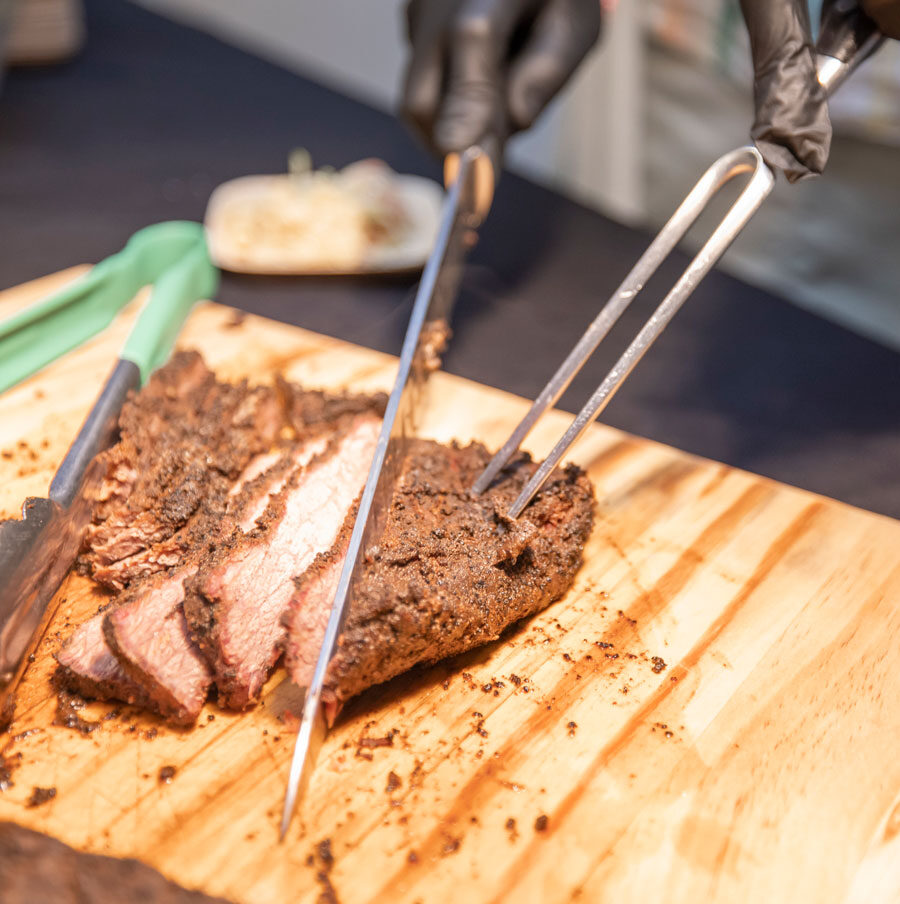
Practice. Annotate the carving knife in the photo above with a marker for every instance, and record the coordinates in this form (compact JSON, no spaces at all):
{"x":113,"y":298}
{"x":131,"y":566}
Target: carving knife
{"x":470,"y":177}
{"x":37,"y":550}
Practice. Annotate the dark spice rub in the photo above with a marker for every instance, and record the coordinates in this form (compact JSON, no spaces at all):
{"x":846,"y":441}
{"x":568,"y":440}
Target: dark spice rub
{"x":185,"y":437}
{"x":37,"y":868}
{"x":451,"y":571}
{"x":187,"y":440}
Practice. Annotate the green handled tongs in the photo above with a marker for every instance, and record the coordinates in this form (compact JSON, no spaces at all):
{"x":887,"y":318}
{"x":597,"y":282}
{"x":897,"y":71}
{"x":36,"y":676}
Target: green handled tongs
{"x":37,"y":550}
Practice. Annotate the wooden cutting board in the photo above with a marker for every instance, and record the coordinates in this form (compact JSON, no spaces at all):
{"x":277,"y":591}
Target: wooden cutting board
{"x":759,"y":764}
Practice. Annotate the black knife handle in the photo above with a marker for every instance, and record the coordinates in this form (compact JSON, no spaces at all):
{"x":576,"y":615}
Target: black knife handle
{"x":96,"y":434}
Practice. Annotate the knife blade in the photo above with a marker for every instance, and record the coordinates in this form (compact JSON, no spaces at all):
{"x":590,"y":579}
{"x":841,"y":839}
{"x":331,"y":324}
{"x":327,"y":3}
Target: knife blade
{"x":37,"y":550}
{"x":466,"y":203}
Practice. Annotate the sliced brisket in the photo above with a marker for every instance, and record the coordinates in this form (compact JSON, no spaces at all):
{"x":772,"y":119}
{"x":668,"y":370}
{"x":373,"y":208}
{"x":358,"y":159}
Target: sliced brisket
{"x":148,"y":633}
{"x":184,"y":440}
{"x":307,"y":616}
{"x":451,"y":572}
{"x":148,"y":636}
{"x":88,"y":666}
{"x":189,"y":441}
{"x":235,"y":604}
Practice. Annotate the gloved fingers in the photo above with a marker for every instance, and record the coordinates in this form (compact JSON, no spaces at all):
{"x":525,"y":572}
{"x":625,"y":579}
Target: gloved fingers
{"x":560,"y":37}
{"x":422,"y":88}
{"x":791,"y":127}
{"x":885,"y":14}
{"x":424,"y":79}
{"x":473,"y":101}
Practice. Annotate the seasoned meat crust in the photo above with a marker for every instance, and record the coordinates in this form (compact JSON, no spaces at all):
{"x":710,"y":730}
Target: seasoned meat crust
{"x":185,"y":437}
{"x":187,"y":440}
{"x":451,"y":571}
{"x":37,"y":869}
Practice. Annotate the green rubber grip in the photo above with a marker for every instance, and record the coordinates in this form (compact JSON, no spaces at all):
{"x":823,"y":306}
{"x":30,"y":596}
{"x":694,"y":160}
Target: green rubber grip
{"x":31,"y":339}
{"x":174,"y":293}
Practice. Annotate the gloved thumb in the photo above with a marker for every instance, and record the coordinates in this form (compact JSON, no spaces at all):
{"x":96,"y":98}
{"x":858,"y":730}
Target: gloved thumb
{"x":791,"y":128}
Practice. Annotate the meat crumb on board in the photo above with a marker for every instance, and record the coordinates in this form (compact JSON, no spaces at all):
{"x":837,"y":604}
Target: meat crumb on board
{"x":451,"y":846}
{"x":393,"y":782}
{"x":68,"y":706}
{"x":40,"y":796}
{"x":324,"y":859}
{"x":8,"y":764}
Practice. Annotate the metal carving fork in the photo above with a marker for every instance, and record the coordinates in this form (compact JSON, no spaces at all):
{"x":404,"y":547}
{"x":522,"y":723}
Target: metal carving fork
{"x":847,"y":38}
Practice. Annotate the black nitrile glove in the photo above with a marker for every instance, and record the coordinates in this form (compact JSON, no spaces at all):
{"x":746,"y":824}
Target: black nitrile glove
{"x":791,"y":128}
{"x":486,"y":68}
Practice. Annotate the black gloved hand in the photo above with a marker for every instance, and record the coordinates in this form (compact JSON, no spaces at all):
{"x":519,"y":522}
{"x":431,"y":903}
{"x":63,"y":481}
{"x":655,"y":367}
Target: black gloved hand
{"x":488,"y":67}
{"x":791,"y":128}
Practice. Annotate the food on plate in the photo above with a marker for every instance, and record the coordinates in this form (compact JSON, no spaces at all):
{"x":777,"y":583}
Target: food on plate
{"x":239,"y":502}
{"x":362,"y":217}
{"x":37,"y":868}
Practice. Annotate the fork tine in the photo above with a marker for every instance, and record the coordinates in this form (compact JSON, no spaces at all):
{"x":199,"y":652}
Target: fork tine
{"x":741,"y":160}
{"x":658,"y":250}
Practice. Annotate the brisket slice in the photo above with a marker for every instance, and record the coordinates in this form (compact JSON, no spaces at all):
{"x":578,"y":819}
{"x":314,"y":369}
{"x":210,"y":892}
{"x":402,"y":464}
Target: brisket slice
{"x":451,"y":571}
{"x":235,"y":604}
{"x":249,"y":504}
{"x":89,"y":667}
{"x":310,"y":606}
{"x":148,"y":636}
{"x":197,"y":459}
{"x":148,"y":633}
{"x":37,"y":869}
{"x":312,"y":411}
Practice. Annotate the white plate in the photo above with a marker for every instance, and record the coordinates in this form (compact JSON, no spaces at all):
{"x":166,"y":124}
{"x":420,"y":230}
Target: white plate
{"x":421,"y":197}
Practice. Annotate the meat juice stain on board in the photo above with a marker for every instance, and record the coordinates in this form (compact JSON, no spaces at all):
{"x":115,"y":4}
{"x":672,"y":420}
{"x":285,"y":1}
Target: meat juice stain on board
{"x":322,"y":859}
{"x":68,"y":713}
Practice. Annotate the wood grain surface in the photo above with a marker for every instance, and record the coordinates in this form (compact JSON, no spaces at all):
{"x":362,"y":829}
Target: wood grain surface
{"x":760,"y":764}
